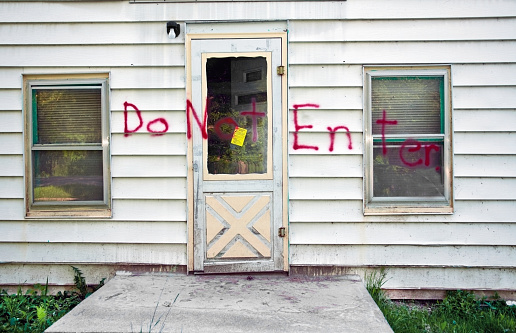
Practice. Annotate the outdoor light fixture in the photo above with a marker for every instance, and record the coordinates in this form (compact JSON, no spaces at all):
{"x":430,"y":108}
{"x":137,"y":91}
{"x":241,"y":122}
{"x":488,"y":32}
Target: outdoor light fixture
{"x":173,"y":29}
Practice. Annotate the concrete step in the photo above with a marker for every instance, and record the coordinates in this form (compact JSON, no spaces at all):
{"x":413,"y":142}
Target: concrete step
{"x":227,"y":303}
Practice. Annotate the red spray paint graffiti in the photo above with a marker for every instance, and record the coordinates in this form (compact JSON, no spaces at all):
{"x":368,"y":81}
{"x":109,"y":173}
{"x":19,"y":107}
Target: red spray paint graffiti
{"x":331,"y":130}
{"x":159,"y":126}
{"x":411,"y":145}
{"x":254,"y":115}
{"x":202,"y":127}
{"x":298,"y":127}
{"x":384,"y":122}
{"x":128,"y":131}
{"x":407,"y":147}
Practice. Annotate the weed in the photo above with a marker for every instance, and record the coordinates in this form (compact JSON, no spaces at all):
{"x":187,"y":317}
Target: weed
{"x":155,"y":321}
{"x":374,"y":283}
{"x":35,"y":310}
{"x":30,"y":312}
{"x":80,"y":284}
{"x":459,"y":312}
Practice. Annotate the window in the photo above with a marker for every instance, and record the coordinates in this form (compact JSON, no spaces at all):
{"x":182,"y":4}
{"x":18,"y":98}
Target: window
{"x":67,"y":140}
{"x":407,"y":141}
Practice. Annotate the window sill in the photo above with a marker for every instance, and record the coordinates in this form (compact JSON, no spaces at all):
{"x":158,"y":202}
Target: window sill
{"x":407,"y":210}
{"x":69,"y":214}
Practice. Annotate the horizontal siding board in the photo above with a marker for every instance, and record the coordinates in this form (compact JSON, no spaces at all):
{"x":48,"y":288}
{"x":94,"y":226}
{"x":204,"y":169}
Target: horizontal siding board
{"x":427,"y":9}
{"x":11,"y":99}
{"x":469,"y":211}
{"x":325,"y":188}
{"x":402,"y":30}
{"x":485,"y":189}
{"x":327,"y":98}
{"x":484,"y":97}
{"x":98,"y":33}
{"x":149,"y":210}
{"x":148,"y":100}
{"x":12,"y":187}
{"x":10,"y":78}
{"x":11,"y":209}
{"x":11,"y":122}
{"x":168,"y":254}
{"x":321,"y":119}
{"x":405,"y":255}
{"x":485,"y":143}
{"x":115,"y":11}
{"x":128,"y":77}
{"x":12,"y":143}
{"x":149,"y":188}
{"x":323,"y":166}
{"x":93,"y":55}
{"x":55,"y":274}
{"x":484,"y":74}
{"x":450,"y":278}
{"x":11,"y":165}
{"x":231,"y":26}
{"x":484,"y":166}
{"x":403,"y":234}
{"x":176,"y":120}
{"x":484,"y":120}
{"x":126,"y":232}
{"x":401,"y":52}
{"x":322,"y":141}
{"x":147,"y":144}
{"x":314,"y":75}
{"x":148,"y":78}
{"x":148,"y":166}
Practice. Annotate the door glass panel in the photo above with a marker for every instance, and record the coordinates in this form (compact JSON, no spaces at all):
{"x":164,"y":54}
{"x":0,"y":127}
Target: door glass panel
{"x":237,"y":100}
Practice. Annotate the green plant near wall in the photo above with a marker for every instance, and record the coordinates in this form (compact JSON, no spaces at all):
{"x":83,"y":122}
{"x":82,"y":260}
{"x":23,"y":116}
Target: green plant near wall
{"x":84,"y":290}
{"x":36,"y":310}
{"x":459,"y":312}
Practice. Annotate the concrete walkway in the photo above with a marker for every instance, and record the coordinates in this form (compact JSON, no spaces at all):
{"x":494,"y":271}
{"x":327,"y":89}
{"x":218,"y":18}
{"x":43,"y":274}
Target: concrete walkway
{"x":227,"y":303}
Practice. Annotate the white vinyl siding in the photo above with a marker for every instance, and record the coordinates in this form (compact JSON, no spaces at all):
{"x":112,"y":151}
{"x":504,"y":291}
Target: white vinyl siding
{"x":430,"y":251}
{"x":329,"y":43}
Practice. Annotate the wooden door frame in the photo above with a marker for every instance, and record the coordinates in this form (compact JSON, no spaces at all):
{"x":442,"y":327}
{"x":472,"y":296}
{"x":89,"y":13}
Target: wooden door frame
{"x":284,"y":110}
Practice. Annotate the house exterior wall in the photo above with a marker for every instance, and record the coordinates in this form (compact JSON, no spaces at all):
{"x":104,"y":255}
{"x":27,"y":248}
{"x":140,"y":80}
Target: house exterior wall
{"x":329,"y":44}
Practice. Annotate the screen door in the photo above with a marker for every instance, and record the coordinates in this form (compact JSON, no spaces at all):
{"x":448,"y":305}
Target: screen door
{"x":237,"y":157}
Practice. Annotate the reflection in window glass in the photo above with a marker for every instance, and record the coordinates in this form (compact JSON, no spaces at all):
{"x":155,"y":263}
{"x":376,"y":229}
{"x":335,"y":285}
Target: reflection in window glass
{"x":235,"y":101}
{"x":408,"y":133}
{"x":68,"y":159}
{"x":408,"y":169}
{"x":68,"y":175}
{"x":67,"y":116}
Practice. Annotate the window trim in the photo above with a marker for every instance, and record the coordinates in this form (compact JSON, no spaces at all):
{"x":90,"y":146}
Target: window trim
{"x":408,"y":205}
{"x":66,"y":209}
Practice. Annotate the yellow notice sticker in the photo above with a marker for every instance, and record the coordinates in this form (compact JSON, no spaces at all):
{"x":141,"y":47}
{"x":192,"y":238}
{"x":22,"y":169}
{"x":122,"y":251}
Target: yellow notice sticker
{"x":239,"y":136}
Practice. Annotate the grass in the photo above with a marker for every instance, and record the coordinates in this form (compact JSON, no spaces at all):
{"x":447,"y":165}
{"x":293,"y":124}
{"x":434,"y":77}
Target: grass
{"x":459,"y":312}
{"x":69,"y":192}
{"x":36,"y":310}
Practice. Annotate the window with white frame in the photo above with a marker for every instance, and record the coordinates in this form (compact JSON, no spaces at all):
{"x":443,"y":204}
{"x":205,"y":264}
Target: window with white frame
{"x":67,"y":140}
{"x":407,"y":141}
